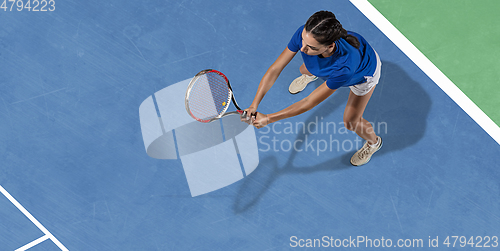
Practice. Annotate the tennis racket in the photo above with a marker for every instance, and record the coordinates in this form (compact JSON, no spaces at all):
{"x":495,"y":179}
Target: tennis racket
{"x":208,"y":97}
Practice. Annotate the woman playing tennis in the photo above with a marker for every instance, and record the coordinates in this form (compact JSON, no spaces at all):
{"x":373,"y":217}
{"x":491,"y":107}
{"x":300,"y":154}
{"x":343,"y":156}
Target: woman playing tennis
{"x":341,"y":57}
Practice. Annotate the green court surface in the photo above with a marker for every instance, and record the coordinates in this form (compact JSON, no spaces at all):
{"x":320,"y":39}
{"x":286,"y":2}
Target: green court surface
{"x":460,"y":37}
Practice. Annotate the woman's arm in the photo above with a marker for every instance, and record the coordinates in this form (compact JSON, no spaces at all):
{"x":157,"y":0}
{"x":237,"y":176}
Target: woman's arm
{"x":271,"y":75}
{"x":304,"y":105}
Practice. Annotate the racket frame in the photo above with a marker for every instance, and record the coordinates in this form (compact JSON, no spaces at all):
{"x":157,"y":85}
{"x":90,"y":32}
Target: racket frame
{"x":228,"y":102}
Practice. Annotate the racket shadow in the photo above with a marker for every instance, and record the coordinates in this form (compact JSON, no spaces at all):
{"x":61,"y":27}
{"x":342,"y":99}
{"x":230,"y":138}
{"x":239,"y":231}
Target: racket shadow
{"x":259,"y":181}
{"x":398,"y":101}
{"x":268,"y":171}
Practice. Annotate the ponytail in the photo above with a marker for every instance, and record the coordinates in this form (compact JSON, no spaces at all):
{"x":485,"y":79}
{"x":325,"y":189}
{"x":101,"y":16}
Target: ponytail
{"x":326,"y":29}
{"x":352,"y":40}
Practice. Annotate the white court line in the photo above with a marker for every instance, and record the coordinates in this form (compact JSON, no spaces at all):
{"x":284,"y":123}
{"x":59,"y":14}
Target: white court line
{"x":33,"y":243}
{"x":33,"y":220}
{"x":428,"y":68}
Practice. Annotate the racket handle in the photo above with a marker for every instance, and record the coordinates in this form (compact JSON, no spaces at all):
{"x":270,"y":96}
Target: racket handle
{"x":243,"y":114}
{"x":243,"y":117}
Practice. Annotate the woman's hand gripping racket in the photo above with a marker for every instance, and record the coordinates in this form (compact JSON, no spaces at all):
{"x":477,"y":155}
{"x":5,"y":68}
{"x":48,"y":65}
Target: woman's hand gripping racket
{"x":208,"y":97}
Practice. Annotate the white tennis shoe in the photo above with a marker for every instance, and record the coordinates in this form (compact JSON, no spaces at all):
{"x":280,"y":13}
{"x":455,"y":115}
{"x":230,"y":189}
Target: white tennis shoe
{"x":300,"y":83}
{"x":363,"y":155}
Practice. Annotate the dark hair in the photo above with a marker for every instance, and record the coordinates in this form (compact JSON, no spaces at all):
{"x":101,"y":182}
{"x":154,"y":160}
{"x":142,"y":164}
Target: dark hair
{"x":326,"y":29}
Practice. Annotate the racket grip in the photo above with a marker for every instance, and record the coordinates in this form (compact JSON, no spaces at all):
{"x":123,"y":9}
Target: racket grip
{"x":243,"y":117}
{"x":243,"y":114}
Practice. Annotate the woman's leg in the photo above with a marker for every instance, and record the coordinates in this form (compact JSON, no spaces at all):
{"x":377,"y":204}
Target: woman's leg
{"x":304,"y":70}
{"x":353,"y":116}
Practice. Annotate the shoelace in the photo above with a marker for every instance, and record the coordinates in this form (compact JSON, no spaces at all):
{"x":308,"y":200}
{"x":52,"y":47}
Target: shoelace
{"x":364,"y":151}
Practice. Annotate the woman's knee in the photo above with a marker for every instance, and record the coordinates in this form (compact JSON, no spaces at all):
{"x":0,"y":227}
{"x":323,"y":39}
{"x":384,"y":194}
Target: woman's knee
{"x":350,"y":123}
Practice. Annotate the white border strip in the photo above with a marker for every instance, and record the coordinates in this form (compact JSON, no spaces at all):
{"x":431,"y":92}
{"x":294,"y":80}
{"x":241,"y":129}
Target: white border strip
{"x":428,"y":68}
{"x":33,"y":220}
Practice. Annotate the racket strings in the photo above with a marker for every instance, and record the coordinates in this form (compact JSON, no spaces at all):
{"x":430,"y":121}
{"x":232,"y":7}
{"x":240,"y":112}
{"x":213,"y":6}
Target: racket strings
{"x":209,"y":96}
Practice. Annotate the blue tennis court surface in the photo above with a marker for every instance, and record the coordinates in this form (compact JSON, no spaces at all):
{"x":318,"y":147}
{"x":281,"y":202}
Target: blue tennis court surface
{"x":72,"y":150}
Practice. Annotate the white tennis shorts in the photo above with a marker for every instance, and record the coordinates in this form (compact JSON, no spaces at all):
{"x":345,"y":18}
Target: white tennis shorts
{"x":371,"y":81}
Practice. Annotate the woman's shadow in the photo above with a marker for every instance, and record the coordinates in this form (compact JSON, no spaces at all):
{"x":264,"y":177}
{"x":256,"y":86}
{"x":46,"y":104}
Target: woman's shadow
{"x":398,"y":101}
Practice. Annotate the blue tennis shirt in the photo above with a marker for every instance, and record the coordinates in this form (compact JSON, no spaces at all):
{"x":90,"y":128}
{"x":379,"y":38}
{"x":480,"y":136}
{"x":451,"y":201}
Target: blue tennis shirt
{"x":347,"y":66}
